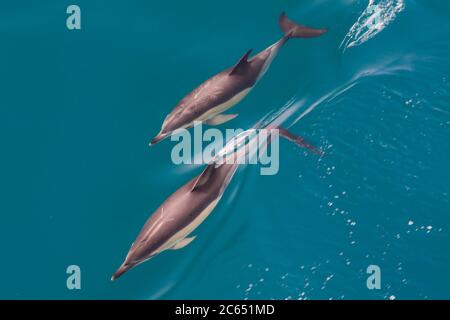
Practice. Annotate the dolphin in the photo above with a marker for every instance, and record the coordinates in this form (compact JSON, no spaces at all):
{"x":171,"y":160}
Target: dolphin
{"x":171,"y":225}
{"x":214,"y":96}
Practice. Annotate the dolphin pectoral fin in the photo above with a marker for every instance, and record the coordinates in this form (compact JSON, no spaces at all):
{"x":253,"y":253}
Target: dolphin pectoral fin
{"x":220,"y":118}
{"x":242,"y":63}
{"x":183,"y":243}
{"x":300,"y":141}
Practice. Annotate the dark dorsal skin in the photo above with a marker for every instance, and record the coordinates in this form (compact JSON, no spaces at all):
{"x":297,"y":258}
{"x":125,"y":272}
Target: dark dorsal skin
{"x":215,"y":91}
{"x":177,"y":212}
{"x":187,"y":204}
{"x":180,"y":209}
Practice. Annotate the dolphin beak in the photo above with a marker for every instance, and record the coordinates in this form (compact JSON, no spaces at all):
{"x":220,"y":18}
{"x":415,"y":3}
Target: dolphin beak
{"x":158,"y":138}
{"x":123,"y":268}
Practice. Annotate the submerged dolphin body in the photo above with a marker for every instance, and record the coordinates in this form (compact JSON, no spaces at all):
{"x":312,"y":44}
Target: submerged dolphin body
{"x":170,"y":227}
{"x":209,"y":100}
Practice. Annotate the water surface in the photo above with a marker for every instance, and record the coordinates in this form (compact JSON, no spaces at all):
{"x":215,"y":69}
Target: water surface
{"x":78,"y":108}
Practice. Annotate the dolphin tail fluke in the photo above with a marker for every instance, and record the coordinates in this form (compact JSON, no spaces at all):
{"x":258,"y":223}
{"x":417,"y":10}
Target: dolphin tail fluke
{"x":294,"y":30}
{"x":123,"y":268}
{"x":299,"y":141}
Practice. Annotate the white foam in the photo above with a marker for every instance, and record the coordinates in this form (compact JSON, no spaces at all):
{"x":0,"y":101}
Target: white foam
{"x":374,"y":19}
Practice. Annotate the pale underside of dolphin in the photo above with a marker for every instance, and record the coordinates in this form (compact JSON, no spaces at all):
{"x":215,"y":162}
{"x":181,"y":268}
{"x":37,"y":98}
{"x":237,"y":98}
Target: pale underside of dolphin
{"x":170,"y":227}
{"x":221,"y":92}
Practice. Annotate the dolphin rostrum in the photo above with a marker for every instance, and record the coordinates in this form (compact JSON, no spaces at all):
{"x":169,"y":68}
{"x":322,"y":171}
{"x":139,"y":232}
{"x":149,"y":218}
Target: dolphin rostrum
{"x":214,"y":96}
{"x":170,"y":227}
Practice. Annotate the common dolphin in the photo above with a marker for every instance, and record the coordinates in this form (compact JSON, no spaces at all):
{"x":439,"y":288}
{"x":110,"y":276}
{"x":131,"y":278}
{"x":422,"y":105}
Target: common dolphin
{"x":170,"y":227}
{"x":214,"y":96}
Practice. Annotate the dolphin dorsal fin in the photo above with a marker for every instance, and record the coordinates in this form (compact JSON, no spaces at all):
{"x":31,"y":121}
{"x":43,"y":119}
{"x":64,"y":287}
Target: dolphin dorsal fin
{"x":241,"y":63}
{"x":203,"y":178}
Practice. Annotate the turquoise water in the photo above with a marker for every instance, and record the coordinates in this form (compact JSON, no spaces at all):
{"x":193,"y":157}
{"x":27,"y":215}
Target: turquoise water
{"x":78,"y":108}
